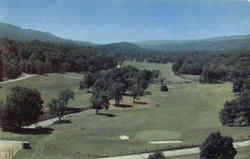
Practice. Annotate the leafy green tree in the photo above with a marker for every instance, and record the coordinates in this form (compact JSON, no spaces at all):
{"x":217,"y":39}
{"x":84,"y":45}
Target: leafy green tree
{"x":117,"y":91}
{"x":23,"y":106}
{"x":88,"y":81}
{"x":59,"y":106}
{"x":99,"y":100}
{"x":217,"y":147}
{"x":136,"y":91}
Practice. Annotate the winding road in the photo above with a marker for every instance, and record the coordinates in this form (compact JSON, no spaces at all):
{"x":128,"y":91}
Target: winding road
{"x":25,"y":76}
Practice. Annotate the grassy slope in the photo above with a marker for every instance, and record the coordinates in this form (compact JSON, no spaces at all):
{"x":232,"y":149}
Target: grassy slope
{"x":49,"y":86}
{"x":187,"y":111}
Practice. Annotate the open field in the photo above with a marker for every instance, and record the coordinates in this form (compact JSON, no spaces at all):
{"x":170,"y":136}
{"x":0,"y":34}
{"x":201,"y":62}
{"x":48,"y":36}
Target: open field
{"x":188,"y":112}
{"x":49,"y":86}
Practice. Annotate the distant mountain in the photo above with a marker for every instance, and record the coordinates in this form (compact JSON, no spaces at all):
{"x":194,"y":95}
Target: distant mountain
{"x":124,"y":48}
{"x":17,"y":33}
{"x":213,"y":44}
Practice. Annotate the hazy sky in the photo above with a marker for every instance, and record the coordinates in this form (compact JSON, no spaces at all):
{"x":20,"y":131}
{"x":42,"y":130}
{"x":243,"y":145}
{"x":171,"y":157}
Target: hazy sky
{"x":105,"y":21}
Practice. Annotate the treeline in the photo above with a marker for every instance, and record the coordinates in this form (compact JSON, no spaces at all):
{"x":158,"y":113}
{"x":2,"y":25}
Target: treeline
{"x":24,"y":106}
{"x":214,"y":68}
{"x":41,"y":57}
{"x":115,"y":83}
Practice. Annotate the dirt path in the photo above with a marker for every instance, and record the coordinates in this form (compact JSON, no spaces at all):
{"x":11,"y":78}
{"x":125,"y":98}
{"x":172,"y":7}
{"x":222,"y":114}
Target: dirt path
{"x":49,"y":121}
{"x":25,"y":76}
{"x":174,"y":153}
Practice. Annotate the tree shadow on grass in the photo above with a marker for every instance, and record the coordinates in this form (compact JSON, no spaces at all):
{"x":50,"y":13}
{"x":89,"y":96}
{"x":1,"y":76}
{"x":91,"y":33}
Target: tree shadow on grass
{"x":107,"y":115}
{"x":142,"y":103}
{"x":63,"y":121}
{"x":123,"y":105}
{"x":147,"y":93}
{"x":34,"y":131}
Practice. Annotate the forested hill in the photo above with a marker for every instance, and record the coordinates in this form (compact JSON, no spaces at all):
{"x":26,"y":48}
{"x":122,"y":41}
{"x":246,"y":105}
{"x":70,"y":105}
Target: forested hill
{"x":124,"y":48}
{"x":13,"y":32}
{"x":218,"y":44}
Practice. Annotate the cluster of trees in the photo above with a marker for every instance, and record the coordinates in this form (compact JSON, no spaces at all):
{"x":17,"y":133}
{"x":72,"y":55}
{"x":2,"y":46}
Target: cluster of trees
{"x":237,"y":111}
{"x":24,"y":106}
{"x":59,"y":105}
{"x":214,"y":68}
{"x":42,"y":57}
{"x":113,"y":84}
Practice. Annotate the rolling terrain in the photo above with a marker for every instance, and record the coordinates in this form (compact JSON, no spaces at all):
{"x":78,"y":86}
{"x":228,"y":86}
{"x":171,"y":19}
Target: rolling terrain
{"x":17,"y":33}
{"x":218,"y":44}
{"x":188,"y":112}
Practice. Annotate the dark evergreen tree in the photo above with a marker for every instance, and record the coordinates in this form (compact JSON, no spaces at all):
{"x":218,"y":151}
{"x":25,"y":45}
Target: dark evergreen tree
{"x":217,"y":147}
{"x":23,"y":106}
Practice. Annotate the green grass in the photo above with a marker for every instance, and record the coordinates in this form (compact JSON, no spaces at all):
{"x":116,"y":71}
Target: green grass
{"x":189,"y":111}
{"x":50,"y":85}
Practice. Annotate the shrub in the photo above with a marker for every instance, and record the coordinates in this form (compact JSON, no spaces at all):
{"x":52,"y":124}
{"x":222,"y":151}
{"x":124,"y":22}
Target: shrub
{"x":157,"y":155}
{"x":217,"y":147}
{"x":164,"y":88}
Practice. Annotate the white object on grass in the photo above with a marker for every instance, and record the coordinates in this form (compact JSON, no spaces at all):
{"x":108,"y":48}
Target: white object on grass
{"x":124,"y":137}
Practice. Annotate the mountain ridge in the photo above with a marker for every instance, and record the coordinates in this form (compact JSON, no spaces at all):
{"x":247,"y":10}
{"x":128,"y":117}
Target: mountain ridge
{"x":14,"y":32}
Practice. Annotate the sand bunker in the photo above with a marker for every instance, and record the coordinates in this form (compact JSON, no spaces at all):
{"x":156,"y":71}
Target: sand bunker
{"x":124,"y":137}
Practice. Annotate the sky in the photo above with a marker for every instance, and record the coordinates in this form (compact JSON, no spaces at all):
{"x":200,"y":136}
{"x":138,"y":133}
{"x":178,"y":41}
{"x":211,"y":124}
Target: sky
{"x":105,"y":21}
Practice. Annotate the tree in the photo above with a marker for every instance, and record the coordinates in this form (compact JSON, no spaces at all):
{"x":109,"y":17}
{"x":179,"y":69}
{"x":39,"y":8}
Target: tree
{"x":157,"y":155}
{"x":88,"y":81}
{"x":117,"y":91}
{"x":164,"y":88}
{"x":23,"y":106}
{"x":217,"y":147}
{"x":59,"y":105}
{"x":139,"y":85}
{"x":99,"y":100}
{"x":136,"y":91}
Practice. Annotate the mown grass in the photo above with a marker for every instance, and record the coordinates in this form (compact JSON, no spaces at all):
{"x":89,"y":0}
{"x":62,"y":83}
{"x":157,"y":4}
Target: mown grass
{"x":189,"y":111}
{"x":49,"y":85}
